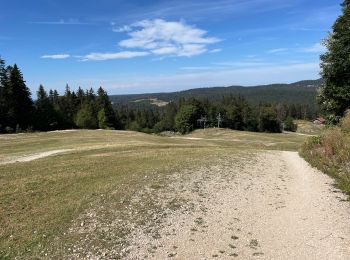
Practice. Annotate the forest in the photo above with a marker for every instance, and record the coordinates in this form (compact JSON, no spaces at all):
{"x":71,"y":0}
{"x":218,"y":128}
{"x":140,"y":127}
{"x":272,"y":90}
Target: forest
{"x":87,"y":109}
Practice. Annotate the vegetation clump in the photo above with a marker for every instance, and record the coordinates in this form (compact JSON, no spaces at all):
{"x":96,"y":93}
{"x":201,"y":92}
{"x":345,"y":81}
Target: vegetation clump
{"x":330,"y":152}
{"x":289,"y":125}
{"x":334,"y":96}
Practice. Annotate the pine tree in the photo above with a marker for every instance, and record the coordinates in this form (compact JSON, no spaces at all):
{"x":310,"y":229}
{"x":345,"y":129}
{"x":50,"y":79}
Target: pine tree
{"x":103,"y":103}
{"x":86,"y":117}
{"x":3,"y":82}
{"x":18,"y":98}
{"x":334,"y":96}
{"x":67,"y":108}
{"x":45,"y":114}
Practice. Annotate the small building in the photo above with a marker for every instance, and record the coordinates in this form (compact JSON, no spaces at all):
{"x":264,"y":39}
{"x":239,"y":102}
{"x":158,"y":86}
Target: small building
{"x":320,"y":121}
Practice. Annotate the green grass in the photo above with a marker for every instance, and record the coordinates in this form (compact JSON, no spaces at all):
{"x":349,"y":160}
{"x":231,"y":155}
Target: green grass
{"x":41,"y":200}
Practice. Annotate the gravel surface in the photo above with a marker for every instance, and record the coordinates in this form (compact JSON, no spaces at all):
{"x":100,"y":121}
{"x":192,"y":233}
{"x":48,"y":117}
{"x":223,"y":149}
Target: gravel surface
{"x":270,"y":205}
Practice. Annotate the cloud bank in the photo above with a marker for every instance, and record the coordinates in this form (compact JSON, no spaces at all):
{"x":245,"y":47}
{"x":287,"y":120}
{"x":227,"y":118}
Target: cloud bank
{"x":165,"y":38}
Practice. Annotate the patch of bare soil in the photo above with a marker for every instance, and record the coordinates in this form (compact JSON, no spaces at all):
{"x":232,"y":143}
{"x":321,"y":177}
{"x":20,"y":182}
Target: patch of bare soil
{"x":32,"y":157}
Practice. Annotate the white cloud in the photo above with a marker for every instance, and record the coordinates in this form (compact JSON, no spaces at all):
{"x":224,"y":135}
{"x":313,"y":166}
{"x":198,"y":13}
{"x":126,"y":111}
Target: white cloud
{"x":95,"y":56}
{"x":215,"y":50}
{"x":124,"y":28}
{"x":56,"y":56}
{"x":316,"y":48}
{"x":71,"y":21}
{"x":200,"y":68}
{"x":167,"y":38}
{"x":244,"y":63}
{"x":279,"y":50}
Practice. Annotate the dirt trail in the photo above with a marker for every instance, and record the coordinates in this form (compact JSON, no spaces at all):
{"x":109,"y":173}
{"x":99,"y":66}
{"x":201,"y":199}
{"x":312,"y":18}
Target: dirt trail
{"x":32,"y":157}
{"x":273,"y":206}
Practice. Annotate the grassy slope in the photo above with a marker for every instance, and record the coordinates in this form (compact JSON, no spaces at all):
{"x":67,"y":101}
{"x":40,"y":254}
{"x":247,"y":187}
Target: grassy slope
{"x":39,"y":200}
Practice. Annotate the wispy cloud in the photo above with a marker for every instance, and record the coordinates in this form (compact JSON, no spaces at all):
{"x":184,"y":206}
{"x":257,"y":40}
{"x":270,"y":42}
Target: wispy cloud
{"x":215,"y":50}
{"x":124,"y":28}
{"x":279,"y":50}
{"x":195,"y":10}
{"x":200,"y":68}
{"x":167,"y":38}
{"x":243,"y":63}
{"x":95,"y":56}
{"x":316,"y":48}
{"x":56,"y":56}
{"x":71,"y":21}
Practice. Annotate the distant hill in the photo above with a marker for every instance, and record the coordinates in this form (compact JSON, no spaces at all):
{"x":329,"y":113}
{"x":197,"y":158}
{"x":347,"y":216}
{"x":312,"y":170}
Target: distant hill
{"x":302,"y":92}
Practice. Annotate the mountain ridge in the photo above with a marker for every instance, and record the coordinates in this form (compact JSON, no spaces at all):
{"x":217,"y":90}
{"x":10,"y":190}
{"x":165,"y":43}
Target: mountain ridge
{"x":301,"y":92}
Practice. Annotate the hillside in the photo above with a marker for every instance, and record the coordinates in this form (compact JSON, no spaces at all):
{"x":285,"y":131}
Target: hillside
{"x":213,"y":194}
{"x":302,"y":92}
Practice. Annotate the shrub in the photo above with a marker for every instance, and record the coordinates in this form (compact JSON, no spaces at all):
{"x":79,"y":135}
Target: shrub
{"x":331,"y":153}
{"x":289,"y":125}
{"x":345,"y":123}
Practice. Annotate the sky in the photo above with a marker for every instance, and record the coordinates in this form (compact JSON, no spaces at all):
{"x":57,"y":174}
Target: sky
{"x":143,"y":46}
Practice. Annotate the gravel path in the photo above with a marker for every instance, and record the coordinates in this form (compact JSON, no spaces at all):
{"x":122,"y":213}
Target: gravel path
{"x":272,"y":205}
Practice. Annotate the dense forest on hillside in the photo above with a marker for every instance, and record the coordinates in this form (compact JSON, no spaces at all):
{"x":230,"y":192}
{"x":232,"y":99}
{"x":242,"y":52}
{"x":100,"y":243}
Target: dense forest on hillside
{"x":302,"y":92}
{"x":90,"y":110}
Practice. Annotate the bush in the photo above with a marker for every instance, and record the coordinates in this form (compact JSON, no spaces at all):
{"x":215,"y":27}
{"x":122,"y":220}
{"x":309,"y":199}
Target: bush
{"x":289,"y":125}
{"x":345,"y":123}
{"x":331,"y":153}
{"x":134,"y":126}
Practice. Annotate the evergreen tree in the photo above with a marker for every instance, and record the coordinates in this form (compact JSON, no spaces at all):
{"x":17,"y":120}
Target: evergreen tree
{"x":67,"y":108}
{"x":80,"y":96}
{"x":267,"y":119}
{"x":167,"y":123}
{"x":102,"y":119}
{"x":3,"y":82}
{"x":186,"y":118}
{"x":46,"y":117}
{"x":334,"y":96}
{"x":86,"y":117}
{"x":103,"y":103}
{"x":19,"y":104}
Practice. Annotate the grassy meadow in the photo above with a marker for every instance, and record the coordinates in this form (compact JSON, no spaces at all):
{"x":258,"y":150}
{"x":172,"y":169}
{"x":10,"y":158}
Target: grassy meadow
{"x":46,"y":203}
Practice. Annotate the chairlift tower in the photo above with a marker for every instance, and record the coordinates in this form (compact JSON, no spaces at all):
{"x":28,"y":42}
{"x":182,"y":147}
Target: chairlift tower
{"x":219,"y":118}
{"x":202,"y":121}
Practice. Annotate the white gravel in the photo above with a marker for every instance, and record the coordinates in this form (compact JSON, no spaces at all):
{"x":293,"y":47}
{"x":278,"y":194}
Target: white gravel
{"x":270,"y":206}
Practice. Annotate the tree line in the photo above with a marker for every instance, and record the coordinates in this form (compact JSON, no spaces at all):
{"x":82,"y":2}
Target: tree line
{"x":89,"y":110}
{"x":80,"y":109}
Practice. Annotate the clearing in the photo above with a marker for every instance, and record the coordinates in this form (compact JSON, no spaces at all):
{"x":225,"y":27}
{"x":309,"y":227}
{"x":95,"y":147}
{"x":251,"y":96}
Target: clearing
{"x":214,"y":194}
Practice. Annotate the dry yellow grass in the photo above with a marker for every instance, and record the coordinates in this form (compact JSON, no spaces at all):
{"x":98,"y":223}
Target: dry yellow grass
{"x":307,"y":127}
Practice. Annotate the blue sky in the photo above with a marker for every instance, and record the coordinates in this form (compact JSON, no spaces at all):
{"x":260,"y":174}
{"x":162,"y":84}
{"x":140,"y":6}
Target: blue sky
{"x":151,"y":46}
